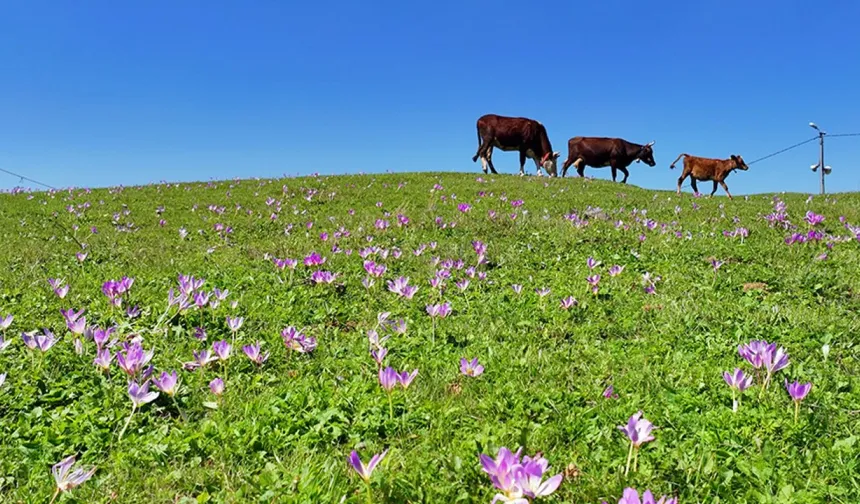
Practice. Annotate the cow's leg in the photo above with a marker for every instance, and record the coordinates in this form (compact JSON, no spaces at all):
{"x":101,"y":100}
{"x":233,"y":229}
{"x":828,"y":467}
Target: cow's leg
{"x":565,"y":166}
{"x":538,"y":166}
{"x":489,"y":157}
{"x":693,"y":183}
{"x":522,"y":163}
{"x":580,"y":167}
{"x":614,"y":173}
{"x":626,"y":174}
{"x":715,"y":189}
{"x":684,"y":175}
{"x":722,"y":183}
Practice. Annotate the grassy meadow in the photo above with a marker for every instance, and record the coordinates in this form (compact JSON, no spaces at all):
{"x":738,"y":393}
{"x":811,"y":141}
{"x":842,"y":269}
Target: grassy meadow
{"x":700,"y":277}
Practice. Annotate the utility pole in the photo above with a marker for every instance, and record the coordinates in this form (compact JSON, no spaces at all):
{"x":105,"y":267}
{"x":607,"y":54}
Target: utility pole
{"x":825,"y":170}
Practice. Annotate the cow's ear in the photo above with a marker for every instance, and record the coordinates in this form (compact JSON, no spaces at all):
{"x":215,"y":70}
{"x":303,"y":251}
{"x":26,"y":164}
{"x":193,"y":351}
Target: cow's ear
{"x":556,"y":154}
{"x":734,"y":157}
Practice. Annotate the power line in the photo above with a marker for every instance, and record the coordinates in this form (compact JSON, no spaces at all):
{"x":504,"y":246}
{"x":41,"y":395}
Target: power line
{"x":844,"y":135}
{"x":22,"y":177}
{"x":784,"y":150}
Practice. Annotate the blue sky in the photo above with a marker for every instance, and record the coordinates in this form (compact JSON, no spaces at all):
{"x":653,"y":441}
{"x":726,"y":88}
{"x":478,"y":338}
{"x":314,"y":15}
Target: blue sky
{"x":100,"y":93}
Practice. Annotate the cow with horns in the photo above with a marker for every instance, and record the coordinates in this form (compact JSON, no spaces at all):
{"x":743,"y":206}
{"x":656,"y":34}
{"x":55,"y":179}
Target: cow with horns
{"x":699,"y":168}
{"x":600,"y":152}
{"x":521,"y":134}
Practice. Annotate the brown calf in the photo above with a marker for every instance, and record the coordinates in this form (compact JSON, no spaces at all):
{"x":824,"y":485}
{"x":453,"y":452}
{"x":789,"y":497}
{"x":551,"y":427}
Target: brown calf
{"x":699,"y":168}
{"x":521,"y":134}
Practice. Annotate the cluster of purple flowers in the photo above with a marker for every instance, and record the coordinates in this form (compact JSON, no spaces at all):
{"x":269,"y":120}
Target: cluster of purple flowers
{"x":114,"y":289}
{"x":518,"y":478}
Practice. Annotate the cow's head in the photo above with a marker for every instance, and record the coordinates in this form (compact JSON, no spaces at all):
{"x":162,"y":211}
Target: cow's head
{"x":549,"y":162}
{"x":739,"y":163}
{"x":646,"y":155}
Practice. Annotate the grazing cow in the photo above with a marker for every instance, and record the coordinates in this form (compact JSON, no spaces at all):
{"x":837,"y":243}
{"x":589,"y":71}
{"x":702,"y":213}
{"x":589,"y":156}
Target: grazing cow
{"x":527,"y":136}
{"x":699,"y":168}
{"x":599,"y":152}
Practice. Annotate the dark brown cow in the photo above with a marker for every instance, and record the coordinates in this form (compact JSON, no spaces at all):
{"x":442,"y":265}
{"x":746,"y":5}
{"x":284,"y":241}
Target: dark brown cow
{"x":599,"y":152}
{"x":521,"y":134}
{"x":699,"y":168}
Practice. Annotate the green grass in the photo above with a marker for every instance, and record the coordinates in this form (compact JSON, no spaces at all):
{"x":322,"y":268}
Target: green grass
{"x":282,"y":433}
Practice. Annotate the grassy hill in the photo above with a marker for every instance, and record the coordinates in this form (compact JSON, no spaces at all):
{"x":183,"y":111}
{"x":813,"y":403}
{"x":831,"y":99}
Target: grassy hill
{"x":282,"y":431}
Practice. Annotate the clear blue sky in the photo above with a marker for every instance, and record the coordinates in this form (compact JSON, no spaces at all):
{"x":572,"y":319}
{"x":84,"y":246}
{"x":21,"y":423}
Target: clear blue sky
{"x":98,"y":93}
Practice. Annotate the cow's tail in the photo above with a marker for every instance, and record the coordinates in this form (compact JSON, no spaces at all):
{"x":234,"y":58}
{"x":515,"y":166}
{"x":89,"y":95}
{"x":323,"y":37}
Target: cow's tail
{"x":475,"y":157}
{"x":672,"y":166}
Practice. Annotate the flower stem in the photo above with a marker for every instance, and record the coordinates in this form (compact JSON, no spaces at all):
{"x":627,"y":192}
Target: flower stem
{"x":629,"y":459}
{"x":390,"y":407}
{"x":54,"y":497}
{"x":369,"y":494}
{"x":636,"y":460}
{"x":734,"y":402}
{"x":796,"y":410}
{"x":128,"y":421}
{"x":181,"y":413}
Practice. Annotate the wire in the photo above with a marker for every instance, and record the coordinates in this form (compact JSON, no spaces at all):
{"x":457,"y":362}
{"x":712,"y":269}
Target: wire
{"x":784,"y":150}
{"x":844,"y":135}
{"x":27,"y":179}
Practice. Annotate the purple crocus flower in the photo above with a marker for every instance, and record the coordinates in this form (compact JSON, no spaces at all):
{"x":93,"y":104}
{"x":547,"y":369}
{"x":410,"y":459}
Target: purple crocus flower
{"x":78,"y":326}
{"x":296,"y":341}
{"x":401,"y":286}
{"x":43,"y":341}
{"x":439,"y":310}
{"x":609,"y":393}
{"x":140,"y":394}
{"x":2,"y":379}
{"x":67,"y":480}
{"x":797,"y":391}
{"x":631,"y":496}
{"x":542,"y":292}
{"x":71,"y":316}
{"x":813,"y":218}
{"x":4,"y":343}
{"x":222,"y":349}
{"x":471,"y":367}
{"x":378,"y":354}
{"x":234,"y":323}
{"x":323,"y":277}
{"x":314,"y":259}
{"x":594,"y":281}
{"x":568,"y":302}
{"x":638,"y":430}
{"x":519,"y":480}
{"x":517,"y":288}
{"x":615,"y":270}
{"x":132,"y":311}
{"x":738,"y":382}
{"x":133,"y":359}
{"x":592,"y":263}
{"x":217,"y":386}
{"x":103,"y":359}
{"x":167,"y":382}
{"x":255,"y":354}
{"x":201,"y":359}
{"x":388,"y":378}
{"x":365,"y":471}
{"x":405,"y":378}
{"x":529,"y":476}
{"x":6,"y":322}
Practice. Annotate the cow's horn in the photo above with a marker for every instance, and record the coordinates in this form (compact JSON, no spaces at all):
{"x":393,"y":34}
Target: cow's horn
{"x":650,"y":143}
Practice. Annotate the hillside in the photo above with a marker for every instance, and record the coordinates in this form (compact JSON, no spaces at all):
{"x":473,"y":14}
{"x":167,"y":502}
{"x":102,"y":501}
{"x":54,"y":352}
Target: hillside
{"x":660,"y":333}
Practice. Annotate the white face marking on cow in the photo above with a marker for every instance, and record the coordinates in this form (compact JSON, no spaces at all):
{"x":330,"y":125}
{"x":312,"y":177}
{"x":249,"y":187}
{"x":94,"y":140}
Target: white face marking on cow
{"x":551,"y":164}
